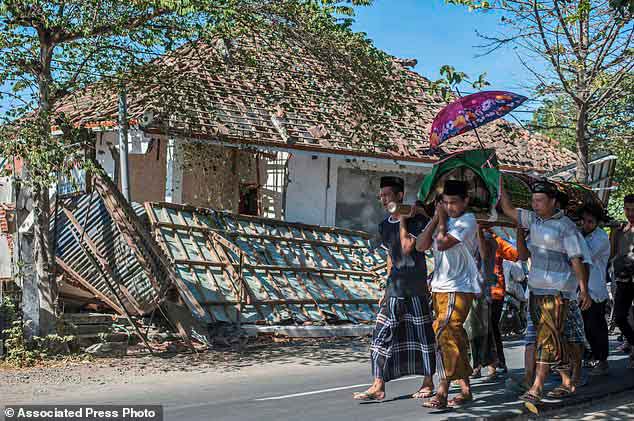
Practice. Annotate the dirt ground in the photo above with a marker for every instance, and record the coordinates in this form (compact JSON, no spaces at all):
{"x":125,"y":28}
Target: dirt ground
{"x":139,"y":365}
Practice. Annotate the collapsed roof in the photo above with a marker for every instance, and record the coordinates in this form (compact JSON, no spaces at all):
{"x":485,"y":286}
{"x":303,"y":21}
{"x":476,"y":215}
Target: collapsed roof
{"x":225,"y":267}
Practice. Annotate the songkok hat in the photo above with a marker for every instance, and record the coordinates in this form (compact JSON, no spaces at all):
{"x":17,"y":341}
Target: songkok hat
{"x":395,"y":182}
{"x":547,"y":188}
{"x":455,"y":188}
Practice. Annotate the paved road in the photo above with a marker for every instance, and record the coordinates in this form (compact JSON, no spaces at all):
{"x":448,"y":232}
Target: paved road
{"x":297,"y":390}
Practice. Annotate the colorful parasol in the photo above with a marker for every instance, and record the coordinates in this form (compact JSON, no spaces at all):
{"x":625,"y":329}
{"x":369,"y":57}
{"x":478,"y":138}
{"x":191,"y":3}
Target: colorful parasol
{"x":472,"y":111}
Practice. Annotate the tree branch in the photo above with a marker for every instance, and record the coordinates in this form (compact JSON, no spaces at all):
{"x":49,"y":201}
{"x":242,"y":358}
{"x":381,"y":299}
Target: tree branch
{"x":107,"y":29}
{"x":554,"y":62}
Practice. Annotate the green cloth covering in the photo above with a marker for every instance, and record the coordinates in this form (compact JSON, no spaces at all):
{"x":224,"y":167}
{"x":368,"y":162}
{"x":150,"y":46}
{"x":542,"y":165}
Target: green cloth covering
{"x":476,"y":160}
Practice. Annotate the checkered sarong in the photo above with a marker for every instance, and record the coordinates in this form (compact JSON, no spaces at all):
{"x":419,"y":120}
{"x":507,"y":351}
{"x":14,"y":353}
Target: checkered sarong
{"x":574,"y":331}
{"x":403,"y":339}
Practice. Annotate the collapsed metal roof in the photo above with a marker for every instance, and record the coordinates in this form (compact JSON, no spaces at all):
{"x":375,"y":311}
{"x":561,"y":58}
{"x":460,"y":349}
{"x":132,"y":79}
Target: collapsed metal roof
{"x":101,"y":228}
{"x":255,"y":270}
{"x":225,"y":267}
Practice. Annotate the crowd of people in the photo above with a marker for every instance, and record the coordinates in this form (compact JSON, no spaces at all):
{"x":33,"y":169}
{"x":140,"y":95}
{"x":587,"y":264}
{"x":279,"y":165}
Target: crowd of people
{"x":449,"y":324}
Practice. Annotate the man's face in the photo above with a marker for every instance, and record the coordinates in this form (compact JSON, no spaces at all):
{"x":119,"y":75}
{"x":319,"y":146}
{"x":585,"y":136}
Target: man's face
{"x":629,"y":212}
{"x":588,"y":223}
{"x":387,"y":195}
{"x":543,"y":205}
{"x":454,"y":205}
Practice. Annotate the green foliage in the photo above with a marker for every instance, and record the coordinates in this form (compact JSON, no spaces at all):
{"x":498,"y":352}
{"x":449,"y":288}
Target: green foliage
{"x":612,"y":131}
{"x":50,"y":48}
{"x":450,"y":81}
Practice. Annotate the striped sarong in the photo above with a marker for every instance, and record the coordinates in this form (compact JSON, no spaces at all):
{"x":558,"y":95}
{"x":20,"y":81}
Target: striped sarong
{"x":452,"y":353}
{"x":403,"y":339}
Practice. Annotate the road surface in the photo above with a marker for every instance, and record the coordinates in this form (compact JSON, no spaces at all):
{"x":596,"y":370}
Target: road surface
{"x":294,"y":388}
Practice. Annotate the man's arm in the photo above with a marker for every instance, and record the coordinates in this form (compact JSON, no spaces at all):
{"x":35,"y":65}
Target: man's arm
{"x":523,"y":253}
{"x":389,"y":272}
{"x":408,"y":240}
{"x":425,"y":239}
{"x":581,"y":273}
{"x":505,"y":249}
{"x":506,"y":205}
{"x":613,"y":243}
{"x":444,"y":241}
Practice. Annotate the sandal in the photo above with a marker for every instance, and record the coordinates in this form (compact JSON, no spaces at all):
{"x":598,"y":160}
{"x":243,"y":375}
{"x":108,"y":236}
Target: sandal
{"x":436,"y":403}
{"x":424,"y":393}
{"x":531,"y":401}
{"x":560,"y":392}
{"x":368,"y":396}
{"x":461,"y":400}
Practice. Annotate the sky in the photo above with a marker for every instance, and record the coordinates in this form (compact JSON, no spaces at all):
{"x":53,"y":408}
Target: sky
{"x":436,"y":33}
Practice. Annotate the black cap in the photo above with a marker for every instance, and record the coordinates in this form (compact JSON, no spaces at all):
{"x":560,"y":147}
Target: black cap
{"x":547,"y":188}
{"x":396,"y":183}
{"x":595,"y":210}
{"x":455,"y":188}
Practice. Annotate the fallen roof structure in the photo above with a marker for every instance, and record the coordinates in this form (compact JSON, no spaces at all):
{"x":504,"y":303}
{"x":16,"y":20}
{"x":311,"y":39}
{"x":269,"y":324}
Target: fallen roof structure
{"x":252,"y":270}
{"x":226,"y":268}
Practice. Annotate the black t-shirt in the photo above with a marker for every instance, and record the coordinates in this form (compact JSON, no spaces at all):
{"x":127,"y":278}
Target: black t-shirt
{"x":409,"y":273}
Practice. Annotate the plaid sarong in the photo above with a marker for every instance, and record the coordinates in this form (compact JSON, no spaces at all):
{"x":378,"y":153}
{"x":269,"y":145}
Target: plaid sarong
{"x":403,"y":340}
{"x":574,"y":330}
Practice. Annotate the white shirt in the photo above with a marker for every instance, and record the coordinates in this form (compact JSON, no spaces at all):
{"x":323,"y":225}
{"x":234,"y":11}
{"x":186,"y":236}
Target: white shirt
{"x":455,"y":269}
{"x":513,"y":275}
{"x":599,"y":245}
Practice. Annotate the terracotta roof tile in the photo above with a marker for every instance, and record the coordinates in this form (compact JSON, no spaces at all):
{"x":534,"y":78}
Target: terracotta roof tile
{"x":290,"y":100}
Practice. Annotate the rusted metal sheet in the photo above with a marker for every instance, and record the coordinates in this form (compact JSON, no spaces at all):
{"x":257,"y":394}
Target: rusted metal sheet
{"x":86,"y":218}
{"x":255,"y":270}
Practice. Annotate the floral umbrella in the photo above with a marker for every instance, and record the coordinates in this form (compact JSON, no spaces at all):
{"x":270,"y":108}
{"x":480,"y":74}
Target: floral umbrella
{"x":472,"y":111}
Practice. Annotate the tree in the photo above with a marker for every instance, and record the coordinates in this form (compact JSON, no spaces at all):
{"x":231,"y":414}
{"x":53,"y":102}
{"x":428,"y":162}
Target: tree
{"x":587,"y":46}
{"x":613,"y":133}
{"x":50,"y":48}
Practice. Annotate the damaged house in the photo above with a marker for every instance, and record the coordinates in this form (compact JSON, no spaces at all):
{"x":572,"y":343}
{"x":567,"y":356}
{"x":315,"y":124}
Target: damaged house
{"x":237,"y":172}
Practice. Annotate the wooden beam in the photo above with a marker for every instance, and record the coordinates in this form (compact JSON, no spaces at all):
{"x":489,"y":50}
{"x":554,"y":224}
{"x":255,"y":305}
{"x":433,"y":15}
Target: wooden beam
{"x":276,"y":268}
{"x":299,"y":302}
{"x":163,"y":224}
{"x":76,"y":277}
{"x":83,"y":236}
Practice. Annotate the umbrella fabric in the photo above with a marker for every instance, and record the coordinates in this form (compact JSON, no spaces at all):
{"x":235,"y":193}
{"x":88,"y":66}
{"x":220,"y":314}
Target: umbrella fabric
{"x":477,"y":160}
{"x":470,"y":112}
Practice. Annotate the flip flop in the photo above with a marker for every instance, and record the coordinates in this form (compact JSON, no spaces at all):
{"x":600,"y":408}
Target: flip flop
{"x":531,"y":402}
{"x":435,"y":403}
{"x":460,"y":400}
{"x":368,"y":396}
{"x":560,"y":392}
{"x":424,"y":393}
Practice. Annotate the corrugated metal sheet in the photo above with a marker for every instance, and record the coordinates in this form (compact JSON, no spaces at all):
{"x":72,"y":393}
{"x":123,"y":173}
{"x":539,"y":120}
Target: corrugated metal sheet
{"x":131,"y":279}
{"x":267,"y":271}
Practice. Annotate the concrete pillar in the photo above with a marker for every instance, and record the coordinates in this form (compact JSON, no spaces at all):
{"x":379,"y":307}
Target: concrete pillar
{"x":174,"y":177}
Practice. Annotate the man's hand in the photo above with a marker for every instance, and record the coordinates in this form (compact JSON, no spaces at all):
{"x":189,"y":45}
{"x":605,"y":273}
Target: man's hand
{"x":382,"y":300}
{"x":584,"y":300}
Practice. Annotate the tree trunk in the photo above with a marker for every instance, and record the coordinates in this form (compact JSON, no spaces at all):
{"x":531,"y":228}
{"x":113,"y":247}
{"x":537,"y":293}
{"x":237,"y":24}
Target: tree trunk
{"x":582,"y":144}
{"x":40,"y":290}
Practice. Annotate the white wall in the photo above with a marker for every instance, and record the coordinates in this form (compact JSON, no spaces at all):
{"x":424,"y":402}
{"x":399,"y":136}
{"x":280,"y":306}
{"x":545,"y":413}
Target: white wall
{"x":308,"y":200}
{"x":306,"y":197}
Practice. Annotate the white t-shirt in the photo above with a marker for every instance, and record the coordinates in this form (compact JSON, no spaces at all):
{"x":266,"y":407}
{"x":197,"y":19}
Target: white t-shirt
{"x":455,"y":269}
{"x":599,"y":245}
